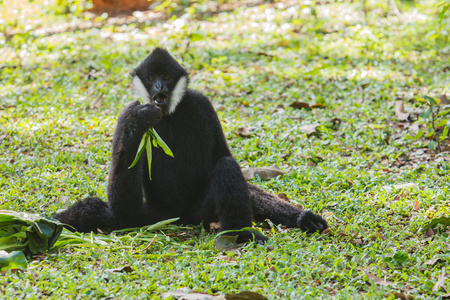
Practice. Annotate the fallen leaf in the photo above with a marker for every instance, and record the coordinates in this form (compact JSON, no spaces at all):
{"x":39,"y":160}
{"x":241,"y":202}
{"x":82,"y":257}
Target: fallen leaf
{"x":433,"y":261}
{"x":245,"y":295}
{"x":401,"y":296}
{"x":300,"y":105}
{"x":389,"y":188}
{"x":440,"y":282}
{"x":443,"y":99}
{"x":11,"y":271}
{"x":151,"y":242}
{"x":245,"y":132}
{"x":430,"y":232}
{"x":263,"y":172}
{"x":416,"y":206}
{"x":357,"y":242}
{"x":215,"y":225}
{"x":191,"y":296}
{"x":377,"y":236}
{"x":400,"y":111}
{"x":283,"y":196}
{"x":379,"y":280}
{"x":326,"y":231}
{"x":226,"y":242}
{"x":226,"y":257}
{"x":309,"y":129}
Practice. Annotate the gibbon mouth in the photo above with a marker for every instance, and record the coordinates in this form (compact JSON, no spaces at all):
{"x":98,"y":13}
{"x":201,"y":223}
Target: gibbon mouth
{"x":159,"y":98}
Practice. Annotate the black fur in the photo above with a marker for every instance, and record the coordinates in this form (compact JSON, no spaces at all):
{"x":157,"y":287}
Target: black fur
{"x":202,"y":183}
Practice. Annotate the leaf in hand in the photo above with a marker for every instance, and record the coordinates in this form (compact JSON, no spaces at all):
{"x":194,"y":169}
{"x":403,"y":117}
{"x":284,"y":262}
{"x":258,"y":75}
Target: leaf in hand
{"x":140,"y":150}
{"x":160,"y":141}
{"x":149,"y":139}
{"x":148,"y":148}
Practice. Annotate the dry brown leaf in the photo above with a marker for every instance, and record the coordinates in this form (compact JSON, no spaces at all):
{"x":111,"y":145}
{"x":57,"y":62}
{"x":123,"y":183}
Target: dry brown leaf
{"x":441,"y":281}
{"x":402,"y":296}
{"x":226,"y":257}
{"x":300,"y":105}
{"x":433,"y":261}
{"x":357,"y":242}
{"x":430,"y":232}
{"x":180,"y":295}
{"x":263,"y":172}
{"x":379,"y":280}
{"x":151,"y":242}
{"x":308,"y":129}
{"x":377,"y":236}
{"x":272,"y":269}
{"x":444,"y":100}
{"x":400,"y":111}
{"x":245,"y":295}
{"x":245,"y":132}
{"x":283,"y":196}
{"x":215,"y":225}
{"x":416,"y":206}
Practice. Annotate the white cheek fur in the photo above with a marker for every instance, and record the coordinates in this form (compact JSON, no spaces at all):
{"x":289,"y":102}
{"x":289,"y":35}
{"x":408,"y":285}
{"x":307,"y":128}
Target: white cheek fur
{"x":140,"y":89}
{"x":177,"y":94}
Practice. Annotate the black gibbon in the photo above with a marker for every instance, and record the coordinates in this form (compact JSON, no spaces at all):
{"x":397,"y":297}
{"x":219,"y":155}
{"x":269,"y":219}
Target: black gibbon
{"x":201,"y":183}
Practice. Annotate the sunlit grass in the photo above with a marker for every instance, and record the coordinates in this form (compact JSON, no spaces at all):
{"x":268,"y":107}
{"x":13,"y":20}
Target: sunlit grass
{"x":61,"y":94}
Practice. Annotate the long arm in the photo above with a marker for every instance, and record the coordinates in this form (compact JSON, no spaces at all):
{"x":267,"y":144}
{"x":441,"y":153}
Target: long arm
{"x":125,"y":195}
{"x":125,"y":185}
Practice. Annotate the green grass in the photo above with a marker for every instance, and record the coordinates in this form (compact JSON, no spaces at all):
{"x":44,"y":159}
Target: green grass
{"x":55,"y":147}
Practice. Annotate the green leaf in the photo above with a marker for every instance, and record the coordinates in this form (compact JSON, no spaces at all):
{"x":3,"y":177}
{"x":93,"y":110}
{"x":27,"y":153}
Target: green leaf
{"x":196,"y":37}
{"x":150,"y":138}
{"x":151,"y":227}
{"x":160,"y":142}
{"x":432,"y":145}
{"x":432,"y":101}
{"x":441,"y":123}
{"x":226,"y":242}
{"x":13,"y":260}
{"x":445,"y":8}
{"x":140,"y":149}
{"x":28,"y":232}
{"x":443,"y":113}
{"x":419,"y":134}
{"x":425,"y":114}
{"x":148,"y":148}
{"x":444,"y":221}
{"x":444,"y":133}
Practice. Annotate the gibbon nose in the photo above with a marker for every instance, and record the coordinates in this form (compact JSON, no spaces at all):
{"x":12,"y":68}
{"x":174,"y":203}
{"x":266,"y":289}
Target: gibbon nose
{"x":158,"y":85}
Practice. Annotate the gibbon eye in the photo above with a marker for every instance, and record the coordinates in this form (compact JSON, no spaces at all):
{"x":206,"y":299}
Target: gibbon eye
{"x":151,"y":78}
{"x":166,"y":77}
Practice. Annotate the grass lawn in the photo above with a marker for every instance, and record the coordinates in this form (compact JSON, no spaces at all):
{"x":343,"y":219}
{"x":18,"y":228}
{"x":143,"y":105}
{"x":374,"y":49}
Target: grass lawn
{"x":64,"y":80}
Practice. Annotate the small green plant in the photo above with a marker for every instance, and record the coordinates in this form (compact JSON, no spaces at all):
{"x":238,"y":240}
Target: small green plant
{"x":435,"y":117}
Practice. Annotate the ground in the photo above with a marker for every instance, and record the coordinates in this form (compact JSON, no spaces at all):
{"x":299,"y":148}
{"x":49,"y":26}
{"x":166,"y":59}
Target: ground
{"x":309,"y":88}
